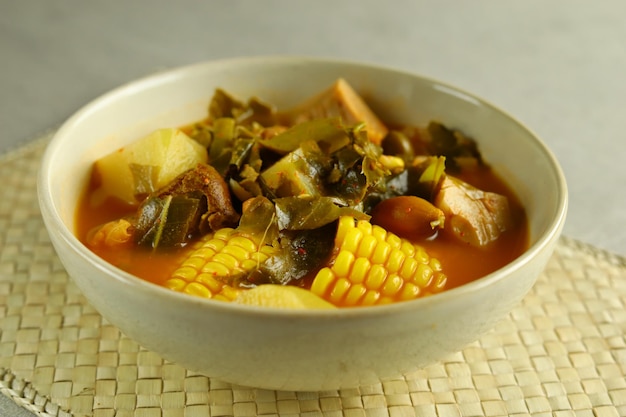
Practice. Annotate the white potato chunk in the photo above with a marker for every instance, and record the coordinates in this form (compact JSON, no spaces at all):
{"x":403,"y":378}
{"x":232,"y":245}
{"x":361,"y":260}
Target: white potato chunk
{"x":147,"y":164}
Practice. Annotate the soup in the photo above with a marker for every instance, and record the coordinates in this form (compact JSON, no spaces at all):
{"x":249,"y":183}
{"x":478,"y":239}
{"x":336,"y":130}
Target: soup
{"x":324,"y":197}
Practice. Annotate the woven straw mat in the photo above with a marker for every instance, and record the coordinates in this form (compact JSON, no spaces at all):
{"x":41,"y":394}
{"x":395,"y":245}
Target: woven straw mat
{"x":561,"y":352}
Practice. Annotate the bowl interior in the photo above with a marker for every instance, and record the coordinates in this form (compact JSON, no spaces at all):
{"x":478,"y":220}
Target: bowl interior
{"x":181,"y":96}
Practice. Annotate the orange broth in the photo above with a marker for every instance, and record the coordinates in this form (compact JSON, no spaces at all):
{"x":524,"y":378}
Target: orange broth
{"x":461,"y":262}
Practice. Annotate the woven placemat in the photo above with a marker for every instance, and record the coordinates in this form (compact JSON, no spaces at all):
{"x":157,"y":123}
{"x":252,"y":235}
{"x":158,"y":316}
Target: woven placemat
{"x":561,"y":352}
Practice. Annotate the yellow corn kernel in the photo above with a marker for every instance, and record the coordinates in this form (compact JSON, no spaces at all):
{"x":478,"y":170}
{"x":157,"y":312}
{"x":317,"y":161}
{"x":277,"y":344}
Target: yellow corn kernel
{"x":360,"y":270}
{"x":223,"y":234}
{"x":323,"y":281}
{"x":366,"y":228}
{"x":202,"y":253}
{"x":228,"y":262}
{"x":381,"y":252}
{"x":213,"y":284}
{"x":423,"y":276}
{"x":393,"y":284}
{"x":216,"y":244}
{"x":367,"y":246}
{"x":197,"y":289}
{"x":355,"y":293}
{"x":194,"y":263}
{"x":211,"y":264}
{"x":409,"y":267}
{"x":435,"y":264}
{"x":343,"y":227}
{"x":176,"y":284}
{"x":228,"y":293}
{"x":409,"y":291}
{"x":373,"y":266}
{"x":408,"y":248}
{"x":371,"y":297}
{"x":339,"y":290}
{"x":216,"y":269}
{"x":243,"y":242}
{"x":439,"y":282}
{"x":185,"y":273}
{"x":394,"y":240}
{"x":237,"y":252}
{"x":352,"y":240}
{"x":249,"y":264}
{"x":423,"y":258}
{"x":376,"y":278}
{"x":343,"y":263}
{"x":379,"y":233}
{"x":385,"y":300}
{"x":395,"y":261}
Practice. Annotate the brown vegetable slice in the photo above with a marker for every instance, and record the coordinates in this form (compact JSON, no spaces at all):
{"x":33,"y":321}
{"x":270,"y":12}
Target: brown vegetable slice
{"x":409,"y":217}
{"x":341,"y":100}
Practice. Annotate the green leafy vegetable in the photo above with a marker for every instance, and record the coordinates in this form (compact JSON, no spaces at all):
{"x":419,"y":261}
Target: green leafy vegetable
{"x":310,"y":212}
{"x":221,"y":149}
{"x":452,"y":144}
{"x":167,"y":221}
{"x":433,"y":169}
{"x":302,"y":254}
{"x":328,"y":133}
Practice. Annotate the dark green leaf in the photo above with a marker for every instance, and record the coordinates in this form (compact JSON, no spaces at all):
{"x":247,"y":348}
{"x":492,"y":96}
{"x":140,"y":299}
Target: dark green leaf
{"x":166,"y":221}
{"x":328,"y":133}
{"x":302,"y":254}
{"x":223,"y":104}
{"x":259,"y":219}
{"x":309,"y":212}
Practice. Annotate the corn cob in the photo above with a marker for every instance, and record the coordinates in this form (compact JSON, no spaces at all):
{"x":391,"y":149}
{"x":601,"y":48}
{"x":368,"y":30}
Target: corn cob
{"x":214,"y":261}
{"x":373,"y":266}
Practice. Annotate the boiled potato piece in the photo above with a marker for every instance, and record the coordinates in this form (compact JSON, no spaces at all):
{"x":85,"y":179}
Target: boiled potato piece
{"x":148,"y":164}
{"x":282,"y":296}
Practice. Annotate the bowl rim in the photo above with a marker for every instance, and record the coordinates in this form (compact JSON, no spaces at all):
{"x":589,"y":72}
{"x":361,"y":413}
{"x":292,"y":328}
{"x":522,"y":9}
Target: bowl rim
{"x":53,"y":219}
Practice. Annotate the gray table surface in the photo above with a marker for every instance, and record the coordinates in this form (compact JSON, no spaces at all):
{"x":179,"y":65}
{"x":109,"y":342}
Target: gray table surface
{"x":559,"y":66}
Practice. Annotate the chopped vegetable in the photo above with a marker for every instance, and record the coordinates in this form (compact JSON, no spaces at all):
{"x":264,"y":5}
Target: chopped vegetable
{"x":113,"y":234}
{"x":340,"y":100}
{"x":475,"y":216}
{"x":147,"y":164}
{"x":329,"y":134}
{"x":282,"y":296}
{"x":452,"y":144}
{"x":409,"y":217}
{"x":167,"y":221}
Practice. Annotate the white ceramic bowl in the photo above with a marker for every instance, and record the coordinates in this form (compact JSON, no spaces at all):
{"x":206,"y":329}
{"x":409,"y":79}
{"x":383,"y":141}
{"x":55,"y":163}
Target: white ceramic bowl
{"x":297,"y":350}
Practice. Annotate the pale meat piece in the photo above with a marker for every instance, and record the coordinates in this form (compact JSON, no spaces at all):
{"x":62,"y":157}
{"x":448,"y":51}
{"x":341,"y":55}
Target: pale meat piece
{"x":340,"y":100}
{"x":474,"y":216}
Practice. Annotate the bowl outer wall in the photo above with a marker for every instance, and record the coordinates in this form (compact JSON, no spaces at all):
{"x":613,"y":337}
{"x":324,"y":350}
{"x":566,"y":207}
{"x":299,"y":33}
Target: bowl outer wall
{"x":297,"y":350}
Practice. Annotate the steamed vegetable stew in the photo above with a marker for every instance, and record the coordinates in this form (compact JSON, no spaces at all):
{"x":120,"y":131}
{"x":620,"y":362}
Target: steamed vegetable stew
{"x":325,"y":197}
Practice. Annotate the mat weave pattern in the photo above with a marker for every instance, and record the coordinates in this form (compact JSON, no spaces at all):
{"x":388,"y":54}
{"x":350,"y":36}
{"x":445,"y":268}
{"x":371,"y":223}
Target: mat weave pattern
{"x":560,"y":353}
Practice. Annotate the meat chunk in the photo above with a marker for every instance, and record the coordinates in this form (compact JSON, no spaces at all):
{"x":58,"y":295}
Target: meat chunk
{"x":206,"y":183}
{"x":340,"y":100}
{"x":196,"y":202}
{"x":474,"y":216}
